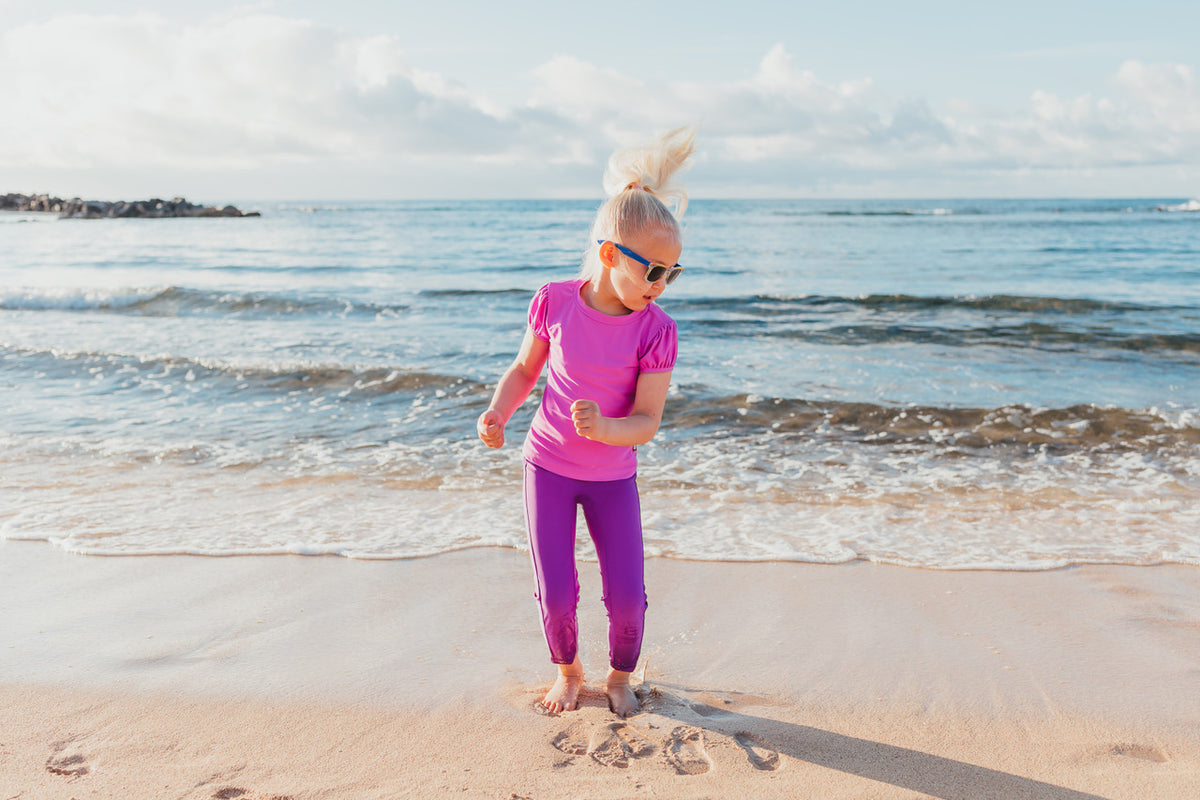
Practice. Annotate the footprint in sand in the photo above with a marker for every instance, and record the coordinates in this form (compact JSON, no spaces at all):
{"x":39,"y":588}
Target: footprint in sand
{"x":614,"y":744}
{"x":238,"y":793}
{"x":685,"y":751}
{"x":1140,"y":751}
{"x":762,"y":755}
{"x":67,"y":764}
{"x":570,"y":742}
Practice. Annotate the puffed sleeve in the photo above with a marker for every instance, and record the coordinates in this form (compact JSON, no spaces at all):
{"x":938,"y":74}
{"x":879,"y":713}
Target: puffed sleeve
{"x":660,"y":351}
{"x":538,"y":312}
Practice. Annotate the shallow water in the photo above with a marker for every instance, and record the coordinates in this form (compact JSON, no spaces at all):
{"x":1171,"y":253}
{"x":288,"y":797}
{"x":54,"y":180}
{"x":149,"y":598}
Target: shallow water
{"x":1003,"y":384}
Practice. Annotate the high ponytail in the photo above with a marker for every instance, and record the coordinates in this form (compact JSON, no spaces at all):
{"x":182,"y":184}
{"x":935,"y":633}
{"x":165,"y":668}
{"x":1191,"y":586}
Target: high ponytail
{"x":642,"y":194}
{"x":653,"y":167}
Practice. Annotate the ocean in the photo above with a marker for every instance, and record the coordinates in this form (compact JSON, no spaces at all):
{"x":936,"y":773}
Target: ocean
{"x":950,"y":384}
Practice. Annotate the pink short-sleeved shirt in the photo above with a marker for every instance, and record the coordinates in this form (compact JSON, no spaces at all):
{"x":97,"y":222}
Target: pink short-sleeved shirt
{"x":592,"y":357}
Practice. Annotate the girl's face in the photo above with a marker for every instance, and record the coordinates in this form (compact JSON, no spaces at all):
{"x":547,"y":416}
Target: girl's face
{"x":628,"y":277}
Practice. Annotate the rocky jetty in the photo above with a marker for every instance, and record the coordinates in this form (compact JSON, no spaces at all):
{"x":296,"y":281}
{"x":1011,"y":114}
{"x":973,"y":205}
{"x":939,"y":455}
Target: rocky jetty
{"x":100,"y":209}
{"x":1190,"y":205}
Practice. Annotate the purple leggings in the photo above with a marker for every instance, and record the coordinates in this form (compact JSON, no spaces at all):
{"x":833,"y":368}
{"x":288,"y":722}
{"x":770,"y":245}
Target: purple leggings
{"x":614,"y":520}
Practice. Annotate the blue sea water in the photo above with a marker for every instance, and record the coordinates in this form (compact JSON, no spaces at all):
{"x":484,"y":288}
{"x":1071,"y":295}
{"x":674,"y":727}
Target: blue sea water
{"x":946,"y":384}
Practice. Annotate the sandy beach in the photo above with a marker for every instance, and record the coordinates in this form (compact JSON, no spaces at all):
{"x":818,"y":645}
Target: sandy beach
{"x":304,"y":677}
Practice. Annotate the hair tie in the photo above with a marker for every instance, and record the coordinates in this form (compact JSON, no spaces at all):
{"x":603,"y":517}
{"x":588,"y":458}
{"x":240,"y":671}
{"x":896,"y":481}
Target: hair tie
{"x":636,"y":185}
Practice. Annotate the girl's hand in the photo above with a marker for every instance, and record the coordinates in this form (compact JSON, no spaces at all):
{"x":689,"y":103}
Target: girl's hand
{"x":589,"y":422}
{"x":490,"y":427}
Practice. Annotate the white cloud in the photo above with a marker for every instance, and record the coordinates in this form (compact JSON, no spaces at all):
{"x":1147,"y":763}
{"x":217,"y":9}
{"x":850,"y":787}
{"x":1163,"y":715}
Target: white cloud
{"x":256,"y":92}
{"x":1151,"y":116}
{"x":791,"y":119}
{"x":232,"y":94}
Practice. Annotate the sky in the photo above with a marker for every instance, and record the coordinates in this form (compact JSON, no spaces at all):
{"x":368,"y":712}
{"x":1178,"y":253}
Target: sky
{"x":303,"y":100}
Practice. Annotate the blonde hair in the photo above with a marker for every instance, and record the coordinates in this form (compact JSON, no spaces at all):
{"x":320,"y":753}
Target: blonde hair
{"x":641,"y":193}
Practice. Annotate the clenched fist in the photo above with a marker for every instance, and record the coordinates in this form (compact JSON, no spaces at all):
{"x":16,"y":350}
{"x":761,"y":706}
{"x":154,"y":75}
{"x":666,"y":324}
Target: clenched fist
{"x":589,"y":422}
{"x":490,"y":428}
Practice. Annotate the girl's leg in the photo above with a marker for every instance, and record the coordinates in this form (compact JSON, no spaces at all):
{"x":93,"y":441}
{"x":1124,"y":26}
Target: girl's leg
{"x":613,"y":514}
{"x":550,"y":520}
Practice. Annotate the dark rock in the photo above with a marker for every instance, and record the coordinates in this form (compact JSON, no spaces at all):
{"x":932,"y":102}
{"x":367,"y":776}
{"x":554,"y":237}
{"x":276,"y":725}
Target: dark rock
{"x":155,"y":208}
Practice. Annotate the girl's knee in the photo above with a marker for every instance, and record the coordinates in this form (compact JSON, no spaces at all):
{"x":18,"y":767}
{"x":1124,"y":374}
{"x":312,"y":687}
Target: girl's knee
{"x":558,"y":605}
{"x":628,"y":609}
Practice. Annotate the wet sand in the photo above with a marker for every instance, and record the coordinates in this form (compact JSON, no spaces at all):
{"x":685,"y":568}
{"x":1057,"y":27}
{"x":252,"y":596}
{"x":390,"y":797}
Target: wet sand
{"x":305,"y":677}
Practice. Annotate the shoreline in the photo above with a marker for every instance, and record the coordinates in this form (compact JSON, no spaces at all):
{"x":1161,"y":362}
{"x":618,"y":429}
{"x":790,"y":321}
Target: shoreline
{"x":299,"y":677}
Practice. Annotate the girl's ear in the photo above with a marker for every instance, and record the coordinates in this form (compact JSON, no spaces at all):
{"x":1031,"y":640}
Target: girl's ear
{"x":608,"y":252}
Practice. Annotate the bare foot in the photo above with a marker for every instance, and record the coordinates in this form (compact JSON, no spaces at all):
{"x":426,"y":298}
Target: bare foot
{"x":621,"y":699}
{"x":564,"y":694}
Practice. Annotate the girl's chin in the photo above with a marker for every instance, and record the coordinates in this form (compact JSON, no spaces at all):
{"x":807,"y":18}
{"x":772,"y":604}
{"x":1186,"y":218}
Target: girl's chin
{"x":644,"y":300}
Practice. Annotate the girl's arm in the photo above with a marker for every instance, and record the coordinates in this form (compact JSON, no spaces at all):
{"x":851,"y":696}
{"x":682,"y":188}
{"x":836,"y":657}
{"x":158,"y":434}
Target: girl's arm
{"x":637,"y":428}
{"x":516,"y":384}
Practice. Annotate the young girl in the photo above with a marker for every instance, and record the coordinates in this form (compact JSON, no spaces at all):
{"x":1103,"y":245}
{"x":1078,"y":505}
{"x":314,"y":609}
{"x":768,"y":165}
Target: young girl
{"x":611,"y":350}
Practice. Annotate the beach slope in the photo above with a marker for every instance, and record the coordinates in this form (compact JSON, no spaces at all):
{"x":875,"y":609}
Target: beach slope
{"x":304,"y":677}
